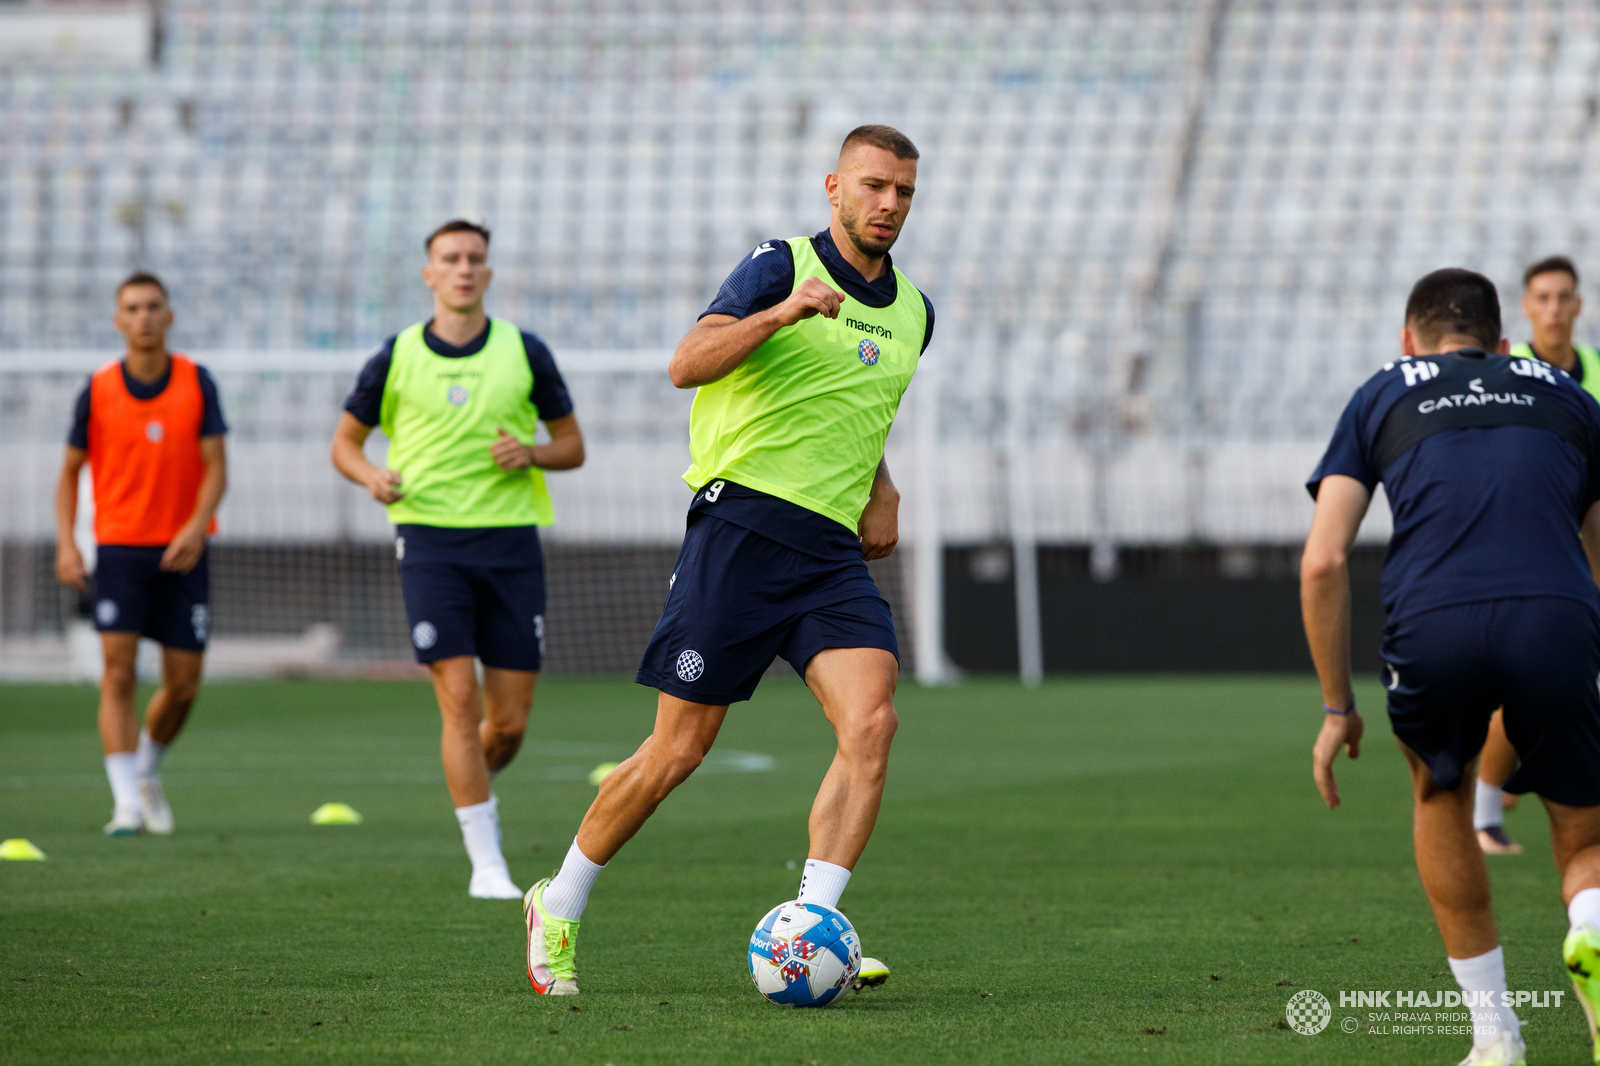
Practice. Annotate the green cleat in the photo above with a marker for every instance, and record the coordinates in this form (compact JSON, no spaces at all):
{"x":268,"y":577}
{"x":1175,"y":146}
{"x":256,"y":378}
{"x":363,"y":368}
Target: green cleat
{"x":552,"y":947}
{"x":1581,"y":953}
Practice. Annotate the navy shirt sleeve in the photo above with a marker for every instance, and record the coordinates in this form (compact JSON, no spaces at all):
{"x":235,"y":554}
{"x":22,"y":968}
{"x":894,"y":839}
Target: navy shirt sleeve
{"x":927,"y":334}
{"x":763,"y":279}
{"x":549,"y":394}
{"x":366,"y":399}
{"x":1347,"y":452}
{"x":78,"y":435}
{"x":212,"y":423}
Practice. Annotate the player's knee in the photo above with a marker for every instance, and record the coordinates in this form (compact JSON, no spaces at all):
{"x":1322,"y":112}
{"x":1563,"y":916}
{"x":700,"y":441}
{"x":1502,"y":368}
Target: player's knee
{"x":460,"y":711}
{"x":502,"y":741}
{"x":503,"y":721}
{"x":119,"y":677}
{"x":868,"y":735}
{"x":507,"y":731}
{"x":182,"y":693}
{"x":458,"y":700}
{"x":673,"y":763}
{"x":683,"y":763}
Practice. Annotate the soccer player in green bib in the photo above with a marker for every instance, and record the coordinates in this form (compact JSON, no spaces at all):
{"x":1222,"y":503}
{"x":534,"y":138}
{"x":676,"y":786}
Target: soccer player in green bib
{"x":1552,"y":305}
{"x":460,"y":398}
{"x":800,"y":362}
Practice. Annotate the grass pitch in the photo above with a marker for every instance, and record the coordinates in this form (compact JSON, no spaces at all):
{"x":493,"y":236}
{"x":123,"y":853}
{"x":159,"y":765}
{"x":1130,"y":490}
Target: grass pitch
{"x":1099,"y":870}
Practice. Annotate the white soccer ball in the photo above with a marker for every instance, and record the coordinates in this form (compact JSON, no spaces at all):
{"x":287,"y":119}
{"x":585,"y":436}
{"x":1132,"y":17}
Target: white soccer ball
{"x":804,"y":955}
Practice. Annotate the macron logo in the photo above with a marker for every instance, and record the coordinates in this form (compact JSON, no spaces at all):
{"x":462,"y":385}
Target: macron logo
{"x":763,"y":249}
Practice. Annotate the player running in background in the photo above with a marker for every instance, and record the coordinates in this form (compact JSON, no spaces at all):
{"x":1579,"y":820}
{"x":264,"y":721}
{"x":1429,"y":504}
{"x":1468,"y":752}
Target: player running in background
{"x":150,"y":427}
{"x":801,"y":361}
{"x":1550,"y":300}
{"x":460,"y":398}
{"x":1492,"y":468}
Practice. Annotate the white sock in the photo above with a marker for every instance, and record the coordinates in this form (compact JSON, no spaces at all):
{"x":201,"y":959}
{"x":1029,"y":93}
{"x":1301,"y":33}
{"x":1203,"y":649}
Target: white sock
{"x":1487,"y":805}
{"x":822,"y":882}
{"x":124,"y":778}
{"x":1585,"y":908}
{"x":567,"y":894}
{"x":1486,"y":973}
{"x":148,"y":757}
{"x":480,"y":831}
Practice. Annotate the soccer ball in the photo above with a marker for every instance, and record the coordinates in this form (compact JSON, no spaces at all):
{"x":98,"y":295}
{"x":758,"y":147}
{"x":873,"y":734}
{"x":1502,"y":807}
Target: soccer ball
{"x":804,"y":955}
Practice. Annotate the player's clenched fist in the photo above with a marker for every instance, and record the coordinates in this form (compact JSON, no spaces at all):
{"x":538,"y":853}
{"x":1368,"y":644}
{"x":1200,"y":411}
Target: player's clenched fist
{"x":812,"y":296}
{"x":508,"y":452}
{"x":384,"y":485}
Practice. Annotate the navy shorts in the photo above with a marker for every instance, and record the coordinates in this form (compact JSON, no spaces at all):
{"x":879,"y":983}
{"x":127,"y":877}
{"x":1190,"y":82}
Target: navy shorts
{"x":132,"y":594}
{"x":1448,"y":669}
{"x":737,"y":600}
{"x":495,"y":613}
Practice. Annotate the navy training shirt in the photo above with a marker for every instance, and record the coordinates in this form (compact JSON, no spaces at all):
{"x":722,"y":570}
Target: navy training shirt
{"x":764,"y":279}
{"x":211,"y":420}
{"x":491,"y":547}
{"x":1490,"y":464}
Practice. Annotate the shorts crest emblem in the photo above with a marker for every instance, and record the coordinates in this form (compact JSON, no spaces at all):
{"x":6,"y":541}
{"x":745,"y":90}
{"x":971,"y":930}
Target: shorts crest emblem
{"x":691,"y":666}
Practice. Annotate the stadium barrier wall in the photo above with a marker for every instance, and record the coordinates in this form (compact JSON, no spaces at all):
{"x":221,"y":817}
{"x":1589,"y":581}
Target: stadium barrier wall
{"x":1188,"y":609}
{"x":305,"y":580}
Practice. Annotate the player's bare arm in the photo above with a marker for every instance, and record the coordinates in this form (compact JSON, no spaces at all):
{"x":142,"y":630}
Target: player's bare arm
{"x":564,"y":452}
{"x":1325,"y":605}
{"x":69,"y":561}
{"x":184,"y":550}
{"x":717,"y":344}
{"x":352,"y":462}
{"x":880,"y":521}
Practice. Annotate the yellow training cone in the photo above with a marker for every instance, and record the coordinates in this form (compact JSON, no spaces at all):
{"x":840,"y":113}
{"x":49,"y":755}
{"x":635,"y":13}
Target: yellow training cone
{"x":598,"y":774}
{"x":20,"y":849}
{"x":335,"y":814}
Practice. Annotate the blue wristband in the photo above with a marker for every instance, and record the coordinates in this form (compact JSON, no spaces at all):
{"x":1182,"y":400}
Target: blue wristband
{"x":1341,"y":714}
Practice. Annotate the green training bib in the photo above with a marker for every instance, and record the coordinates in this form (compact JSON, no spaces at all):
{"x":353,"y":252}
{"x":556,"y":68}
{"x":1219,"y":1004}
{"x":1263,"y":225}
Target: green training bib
{"x":804,"y":418}
{"x":440,"y":415}
{"x":1588,"y":358}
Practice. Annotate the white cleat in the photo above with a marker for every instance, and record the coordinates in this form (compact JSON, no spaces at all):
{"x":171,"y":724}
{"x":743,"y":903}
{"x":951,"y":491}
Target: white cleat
{"x":1507,"y":1050}
{"x":872,"y":975}
{"x":124,"y":823}
{"x":493,"y":883}
{"x":154,"y":808}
